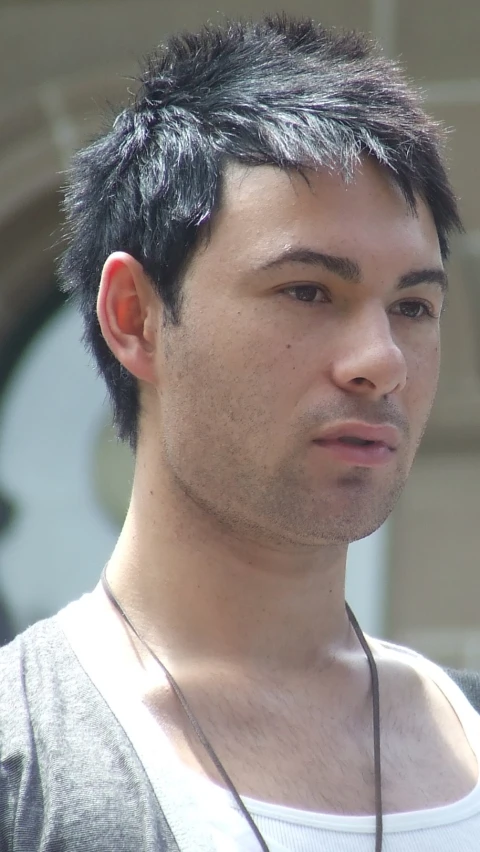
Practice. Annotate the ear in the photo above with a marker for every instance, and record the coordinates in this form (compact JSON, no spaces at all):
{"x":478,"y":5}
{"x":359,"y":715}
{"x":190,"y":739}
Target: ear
{"x":128,"y":311}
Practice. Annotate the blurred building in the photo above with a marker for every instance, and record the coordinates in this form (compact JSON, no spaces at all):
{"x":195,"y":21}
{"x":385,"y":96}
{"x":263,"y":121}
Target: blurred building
{"x":63,"y":479}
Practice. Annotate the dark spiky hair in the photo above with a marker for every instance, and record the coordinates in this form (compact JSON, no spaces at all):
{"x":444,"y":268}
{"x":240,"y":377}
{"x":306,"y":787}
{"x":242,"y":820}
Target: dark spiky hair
{"x":282,"y":91}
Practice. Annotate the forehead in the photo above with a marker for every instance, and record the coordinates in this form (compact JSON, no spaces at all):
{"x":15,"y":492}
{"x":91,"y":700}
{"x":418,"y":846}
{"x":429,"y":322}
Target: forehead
{"x":265,"y":209}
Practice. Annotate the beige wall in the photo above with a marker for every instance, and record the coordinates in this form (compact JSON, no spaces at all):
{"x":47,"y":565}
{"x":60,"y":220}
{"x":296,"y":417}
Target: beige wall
{"x":59,"y":62}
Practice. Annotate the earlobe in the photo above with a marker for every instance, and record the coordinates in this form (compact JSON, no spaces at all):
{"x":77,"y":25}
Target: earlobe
{"x":127,"y":313}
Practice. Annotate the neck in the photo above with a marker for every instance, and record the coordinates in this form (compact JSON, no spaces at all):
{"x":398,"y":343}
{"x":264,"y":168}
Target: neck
{"x":197,"y":591}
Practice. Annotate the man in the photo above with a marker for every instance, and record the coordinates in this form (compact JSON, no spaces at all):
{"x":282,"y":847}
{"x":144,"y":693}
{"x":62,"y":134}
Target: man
{"x":257,"y":246}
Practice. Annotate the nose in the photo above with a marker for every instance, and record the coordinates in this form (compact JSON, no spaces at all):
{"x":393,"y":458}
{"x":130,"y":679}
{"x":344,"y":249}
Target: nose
{"x":368,"y":361}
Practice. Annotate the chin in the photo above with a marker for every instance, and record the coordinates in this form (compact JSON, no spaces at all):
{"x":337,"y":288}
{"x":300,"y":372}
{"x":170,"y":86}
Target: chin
{"x":344,"y":525}
{"x":347,"y":528}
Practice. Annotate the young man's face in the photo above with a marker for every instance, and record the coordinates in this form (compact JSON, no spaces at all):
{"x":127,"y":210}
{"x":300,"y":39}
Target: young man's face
{"x":270,"y":355}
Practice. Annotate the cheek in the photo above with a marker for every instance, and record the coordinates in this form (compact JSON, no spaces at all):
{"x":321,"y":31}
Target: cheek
{"x":233,"y":382}
{"x":422,"y":381}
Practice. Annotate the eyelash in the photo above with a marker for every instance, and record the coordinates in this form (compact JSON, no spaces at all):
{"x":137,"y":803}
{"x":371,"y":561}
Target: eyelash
{"x":427,"y":313}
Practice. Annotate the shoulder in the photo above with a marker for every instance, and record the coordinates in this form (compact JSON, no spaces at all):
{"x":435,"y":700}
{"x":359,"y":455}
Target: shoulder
{"x":451,"y":681}
{"x":57,"y":734}
{"x":36,"y":669}
{"x":34,"y":672}
{"x":45,"y":694}
{"x":27,"y":664}
{"x":24,"y":664}
{"x":36,"y":640}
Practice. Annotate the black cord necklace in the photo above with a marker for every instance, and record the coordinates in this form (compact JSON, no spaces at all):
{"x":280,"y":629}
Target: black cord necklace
{"x":209,"y":748}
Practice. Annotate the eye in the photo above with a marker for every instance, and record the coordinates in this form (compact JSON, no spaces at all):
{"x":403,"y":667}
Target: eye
{"x":414,"y":309}
{"x":310,"y":293}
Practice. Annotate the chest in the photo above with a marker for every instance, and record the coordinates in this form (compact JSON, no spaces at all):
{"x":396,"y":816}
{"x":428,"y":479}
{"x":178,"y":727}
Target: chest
{"x":320,"y":758}
{"x":333,"y":772}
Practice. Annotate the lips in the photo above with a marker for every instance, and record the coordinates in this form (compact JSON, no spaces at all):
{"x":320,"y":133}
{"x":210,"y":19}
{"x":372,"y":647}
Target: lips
{"x":360,"y":444}
{"x":362,"y":434}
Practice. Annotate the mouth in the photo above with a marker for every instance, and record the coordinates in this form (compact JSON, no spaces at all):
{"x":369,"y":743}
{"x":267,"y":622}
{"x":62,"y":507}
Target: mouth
{"x":360,"y":444}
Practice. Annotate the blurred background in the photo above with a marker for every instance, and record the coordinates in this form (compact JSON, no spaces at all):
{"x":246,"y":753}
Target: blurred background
{"x":64,"y":479}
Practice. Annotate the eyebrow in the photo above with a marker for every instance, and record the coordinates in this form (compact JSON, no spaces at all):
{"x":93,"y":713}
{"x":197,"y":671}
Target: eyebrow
{"x":349,"y":269}
{"x":425,"y":276}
